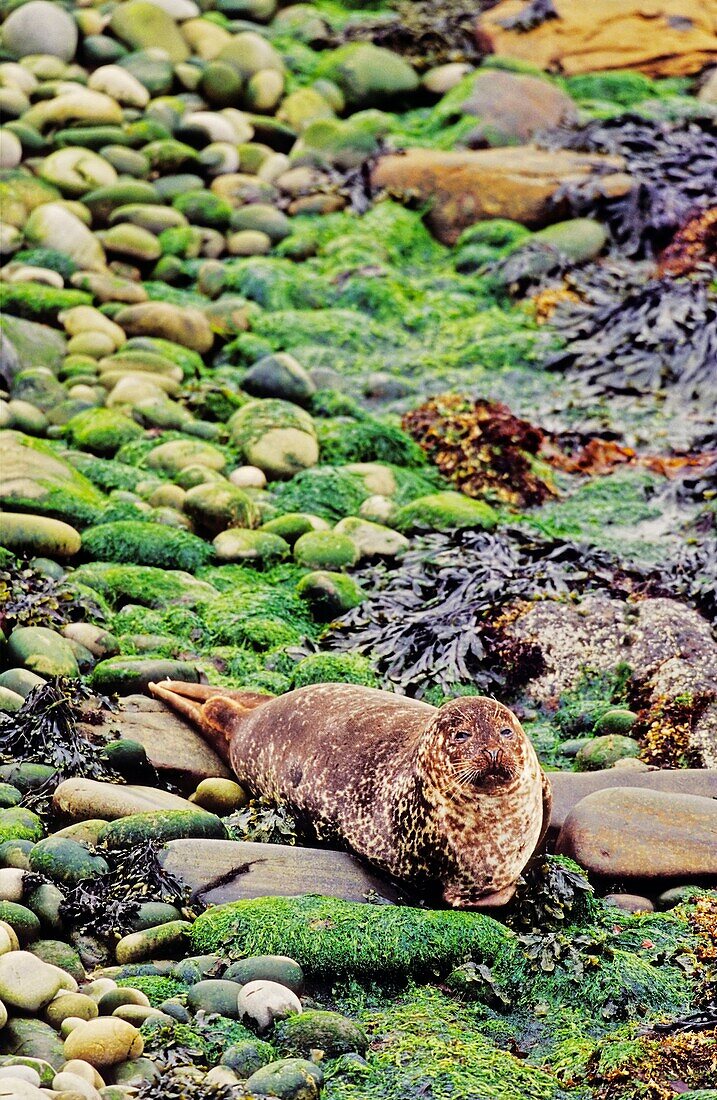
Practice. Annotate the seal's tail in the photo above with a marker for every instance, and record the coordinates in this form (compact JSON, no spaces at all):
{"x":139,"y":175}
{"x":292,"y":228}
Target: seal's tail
{"x":215,"y":710}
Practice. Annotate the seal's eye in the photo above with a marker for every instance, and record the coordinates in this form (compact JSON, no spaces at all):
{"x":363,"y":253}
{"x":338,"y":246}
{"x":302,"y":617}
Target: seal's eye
{"x":461,"y":735}
{"x":506,"y":732}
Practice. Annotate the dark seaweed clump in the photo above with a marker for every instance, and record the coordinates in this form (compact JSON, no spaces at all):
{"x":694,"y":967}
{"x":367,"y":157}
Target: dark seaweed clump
{"x":31,"y":598}
{"x":44,"y":731}
{"x":651,"y":337}
{"x":434,"y":620}
{"x":673,"y":164}
{"x":108,"y":904}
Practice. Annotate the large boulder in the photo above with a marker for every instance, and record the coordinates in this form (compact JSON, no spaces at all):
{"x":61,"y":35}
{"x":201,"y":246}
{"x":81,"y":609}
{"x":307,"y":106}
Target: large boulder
{"x":511,"y":108}
{"x":660,"y":38}
{"x":522,"y":183}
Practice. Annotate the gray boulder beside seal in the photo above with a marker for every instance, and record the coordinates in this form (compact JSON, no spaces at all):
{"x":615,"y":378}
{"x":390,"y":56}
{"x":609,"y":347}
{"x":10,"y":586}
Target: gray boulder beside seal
{"x":449,"y":799}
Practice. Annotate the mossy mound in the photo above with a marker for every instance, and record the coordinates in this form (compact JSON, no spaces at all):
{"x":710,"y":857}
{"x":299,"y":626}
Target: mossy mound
{"x":157,"y":987}
{"x":102,"y":431}
{"x":153,"y":544}
{"x":143,"y":584}
{"x":334,"y":668}
{"x":341,"y":938}
{"x":326,"y":491}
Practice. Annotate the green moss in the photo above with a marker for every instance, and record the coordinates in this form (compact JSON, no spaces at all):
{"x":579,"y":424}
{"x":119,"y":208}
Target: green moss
{"x":142,"y":584}
{"x":327,"y":491}
{"x":105,"y":473}
{"x":102,"y":431}
{"x":624,"y":88}
{"x":204,"y":208}
{"x":427,"y":1044}
{"x":334,"y":668}
{"x":366,"y":440}
{"x":48,"y":258}
{"x":330,"y":937}
{"x":140,"y":543}
{"x":155,"y":986}
{"x":36,"y":302}
{"x":325,"y":550}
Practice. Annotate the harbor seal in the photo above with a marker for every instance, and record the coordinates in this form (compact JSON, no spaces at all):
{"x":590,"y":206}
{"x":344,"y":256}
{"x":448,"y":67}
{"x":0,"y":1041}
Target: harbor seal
{"x":451,"y":799}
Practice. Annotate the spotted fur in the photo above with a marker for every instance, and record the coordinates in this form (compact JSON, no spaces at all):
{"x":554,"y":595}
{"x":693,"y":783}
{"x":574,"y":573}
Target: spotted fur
{"x":452,"y":799}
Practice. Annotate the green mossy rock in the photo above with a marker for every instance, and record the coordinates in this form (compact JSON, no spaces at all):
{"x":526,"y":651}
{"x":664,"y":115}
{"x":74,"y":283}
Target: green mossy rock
{"x":32,"y":1041}
{"x":604,"y":751}
{"x":143,"y":584}
{"x":66,"y":861}
{"x":139,"y":543}
{"x":43,"y":651}
{"x":279,"y":376}
{"x":172,"y":457}
{"x":260,"y":547}
{"x":269,"y":968}
{"x":35,"y":479}
{"x":287,"y":1079}
{"x":19,"y":823}
{"x":128,"y":675}
{"x":315,"y":1029}
{"x":334,"y":668}
{"x":158,"y":941}
{"x":214,"y":508}
{"x":325,"y":550}
{"x":38,"y":535}
{"x":329,"y":937}
{"x":162,"y":826}
{"x":59,"y":953}
{"x":23,"y":921}
{"x":329,"y":594}
{"x":141,"y":24}
{"x":580,"y":239}
{"x":617,"y":720}
{"x":368,"y":75}
{"x":247,"y":1057}
{"x":102,"y":431}
{"x":292,"y":525}
{"x":444,"y":512}
{"x":276,"y":436}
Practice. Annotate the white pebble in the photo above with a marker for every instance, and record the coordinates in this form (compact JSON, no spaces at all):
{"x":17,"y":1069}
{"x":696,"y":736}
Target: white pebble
{"x":263,"y":1002}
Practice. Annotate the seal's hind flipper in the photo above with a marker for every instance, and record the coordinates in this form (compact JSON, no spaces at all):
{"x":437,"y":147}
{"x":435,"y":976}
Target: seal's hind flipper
{"x":215,"y":710}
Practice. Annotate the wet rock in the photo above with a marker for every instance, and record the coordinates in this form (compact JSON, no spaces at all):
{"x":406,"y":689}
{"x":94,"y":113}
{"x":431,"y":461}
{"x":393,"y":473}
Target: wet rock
{"x":66,"y":861}
{"x":603,"y":752}
{"x":368,"y":75}
{"x":281,"y":376}
{"x":569,"y":788}
{"x":83,"y":799}
{"x":288,"y":1079}
{"x":372,"y":539}
{"x":182,"y":324}
{"x":127,"y":675}
{"x":630,"y":903}
{"x":28,"y":534}
{"x":236,"y":545}
{"x":104,"y":1042}
{"x":325,"y":550}
{"x":162,"y":826}
{"x":676,"y":38}
{"x":172,"y":745}
{"x":329,"y":1032}
{"x":634,"y":835}
{"x":219,"y":796}
{"x":221,"y":871}
{"x":519,"y":183}
{"x":160,"y":940}
{"x":272,"y":968}
{"x":512,"y":108}
{"x":40,"y":28}
{"x":43,"y":651}
{"x":215,"y":995}
{"x":26,"y":982}
{"x":141,"y":24}
{"x":264,"y":1002}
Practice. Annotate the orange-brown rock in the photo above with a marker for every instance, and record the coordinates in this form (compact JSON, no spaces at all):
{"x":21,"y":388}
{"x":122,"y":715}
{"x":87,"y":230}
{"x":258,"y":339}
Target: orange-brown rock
{"x":656,"y":37}
{"x":632,"y":835}
{"x":518,"y":182}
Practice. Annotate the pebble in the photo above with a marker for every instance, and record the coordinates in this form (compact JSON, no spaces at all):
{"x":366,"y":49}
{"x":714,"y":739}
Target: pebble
{"x":26,"y":982}
{"x":104,"y":1042}
{"x":264,"y":1002}
{"x":40,"y":28}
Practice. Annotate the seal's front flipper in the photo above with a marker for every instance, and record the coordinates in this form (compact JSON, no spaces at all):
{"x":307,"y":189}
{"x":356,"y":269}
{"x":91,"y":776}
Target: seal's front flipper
{"x":215,"y":710}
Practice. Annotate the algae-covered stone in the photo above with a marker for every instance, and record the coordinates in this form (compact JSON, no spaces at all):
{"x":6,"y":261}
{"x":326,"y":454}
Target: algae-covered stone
{"x":213,"y":508}
{"x":184,"y":325}
{"x":66,"y":861}
{"x":40,"y":28}
{"x":372,"y":539}
{"x":10,"y":701}
{"x":215,"y":995}
{"x":171,"y":457}
{"x":326,"y":936}
{"x":60,"y":954}
{"x":247,"y":1057}
{"x":288,"y":1079}
{"x":271,"y":968}
{"x":19,"y":823}
{"x":162,"y":826}
{"x":606,"y":750}
{"x":329,"y":594}
{"x":128,"y":675}
{"x":281,"y":376}
{"x":250,"y":53}
{"x":616,"y":720}
{"x":33,"y":478}
{"x":292,"y":525}
{"x":444,"y":511}
{"x":315,"y":1029}
{"x":237,"y":544}
{"x":276,"y":436}
{"x":141,"y":24}
{"x":368,"y":75}
{"x":27,"y":534}
{"x":161,"y":940}
{"x":146,"y":544}
{"x":42,"y":650}
{"x":23,"y":922}
{"x":580,"y":239}
{"x":34,"y":1041}
{"x":325,"y":550}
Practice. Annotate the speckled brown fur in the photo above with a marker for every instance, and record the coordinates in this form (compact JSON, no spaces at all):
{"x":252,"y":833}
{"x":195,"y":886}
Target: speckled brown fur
{"x":452,"y":798}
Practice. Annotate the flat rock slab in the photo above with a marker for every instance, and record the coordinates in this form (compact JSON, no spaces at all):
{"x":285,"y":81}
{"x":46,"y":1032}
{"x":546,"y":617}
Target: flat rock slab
{"x":84,"y":799}
{"x":632,"y":835}
{"x":518,"y":182}
{"x":569,"y":788}
{"x":217,"y":871}
{"x":171,"y":744}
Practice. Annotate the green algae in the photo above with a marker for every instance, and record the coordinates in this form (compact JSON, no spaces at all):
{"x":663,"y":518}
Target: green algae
{"x":105,"y":473}
{"x":326,"y":491}
{"x":366,"y":439}
{"x":339,"y":668}
{"x":101,"y":431}
{"x":427,"y":1044}
{"x":146,"y":543}
{"x":157,"y":987}
{"x":142,"y":584}
{"x":204,"y":1040}
{"x":36,"y":302}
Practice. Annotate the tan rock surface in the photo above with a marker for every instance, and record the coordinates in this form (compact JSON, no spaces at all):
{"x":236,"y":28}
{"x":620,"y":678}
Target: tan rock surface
{"x":518,"y":182}
{"x":657,"y":37}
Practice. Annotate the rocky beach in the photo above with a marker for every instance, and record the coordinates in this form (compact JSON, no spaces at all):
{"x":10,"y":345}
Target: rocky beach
{"x":369,"y":344}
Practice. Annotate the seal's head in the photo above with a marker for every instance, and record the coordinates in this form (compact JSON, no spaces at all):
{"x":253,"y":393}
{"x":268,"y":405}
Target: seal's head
{"x":480,"y":743}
